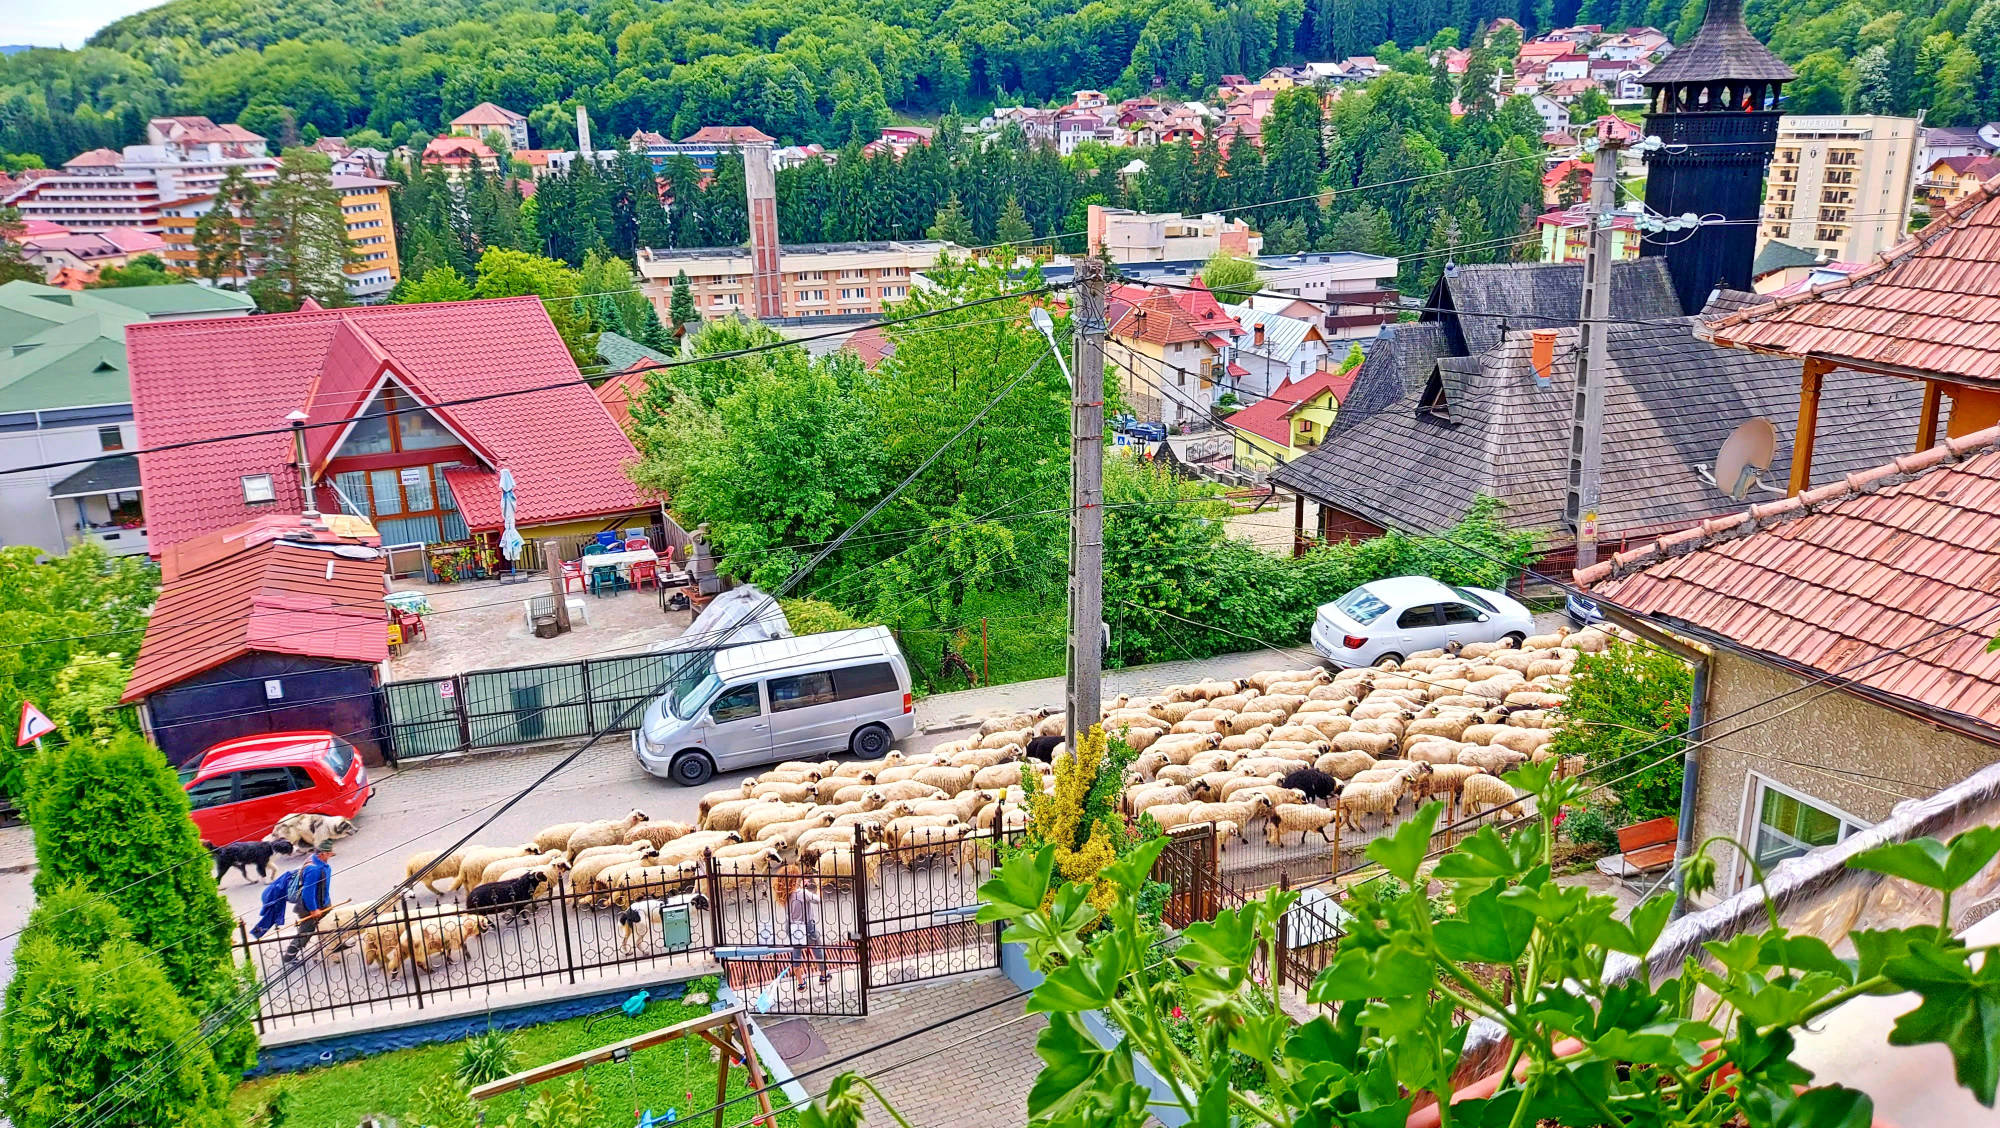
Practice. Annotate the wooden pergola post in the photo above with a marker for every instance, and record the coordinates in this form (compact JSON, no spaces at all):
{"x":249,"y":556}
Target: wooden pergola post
{"x":1927,"y":416}
{"x":1298,"y":524}
{"x":1811,"y":376}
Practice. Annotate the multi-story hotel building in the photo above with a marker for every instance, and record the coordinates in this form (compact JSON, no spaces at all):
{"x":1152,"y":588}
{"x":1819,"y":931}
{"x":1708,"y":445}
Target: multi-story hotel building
{"x":816,"y":279}
{"x":1840,"y":184}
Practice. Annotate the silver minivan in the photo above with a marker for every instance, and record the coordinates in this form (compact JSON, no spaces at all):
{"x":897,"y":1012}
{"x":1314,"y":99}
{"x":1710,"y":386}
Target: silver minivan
{"x":800,"y":698}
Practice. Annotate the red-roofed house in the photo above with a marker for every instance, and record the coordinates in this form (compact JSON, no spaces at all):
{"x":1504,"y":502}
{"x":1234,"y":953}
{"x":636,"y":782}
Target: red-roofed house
{"x":458,"y":154}
{"x":1878,"y":587}
{"x":486,"y":118}
{"x":1291,"y":420}
{"x":274,"y":625}
{"x":425,"y":475}
{"x":1566,"y":183}
{"x":726,"y":135}
{"x":1168,"y":350}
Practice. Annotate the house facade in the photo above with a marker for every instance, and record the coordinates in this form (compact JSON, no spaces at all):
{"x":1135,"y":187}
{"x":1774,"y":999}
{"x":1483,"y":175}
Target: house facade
{"x":1274,"y":347}
{"x":1171,"y":351}
{"x":1293,"y":419}
{"x":1869,"y":586}
{"x":817,"y":279}
{"x":385,"y":437}
{"x":65,"y":393}
{"x":1129,"y":236}
{"x":1841,"y":184}
{"x":486,"y":118}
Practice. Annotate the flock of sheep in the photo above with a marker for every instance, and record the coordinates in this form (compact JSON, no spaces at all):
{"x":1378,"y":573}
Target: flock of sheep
{"x":1293,"y":752}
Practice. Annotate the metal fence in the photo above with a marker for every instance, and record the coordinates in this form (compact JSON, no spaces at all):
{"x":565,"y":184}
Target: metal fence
{"x":811,"y":943}
{"x":522,"y":704}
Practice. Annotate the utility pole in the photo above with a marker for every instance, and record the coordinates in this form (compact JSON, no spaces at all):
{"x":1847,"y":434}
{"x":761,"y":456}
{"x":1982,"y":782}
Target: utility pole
{"x":1086,"y":520}
{"x":1586,"y":424}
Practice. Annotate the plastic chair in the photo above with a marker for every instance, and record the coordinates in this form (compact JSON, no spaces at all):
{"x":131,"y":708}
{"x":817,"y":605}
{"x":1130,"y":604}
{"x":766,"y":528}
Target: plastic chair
{"x":643,"y":572}
{"x":602,"y":577}
{"x":595,"y":549}
{"x":412,"y":625}
{"x":608,"y":539}
{"x":637,"y":543}
{"x":572,"y":572}
{"x":630,"y":533}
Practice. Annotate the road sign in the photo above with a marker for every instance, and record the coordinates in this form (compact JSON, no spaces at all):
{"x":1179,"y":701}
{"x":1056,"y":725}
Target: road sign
{"x":35,"y":725}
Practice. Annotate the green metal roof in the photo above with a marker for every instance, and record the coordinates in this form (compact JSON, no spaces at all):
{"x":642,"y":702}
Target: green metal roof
{"x":62,"y":348}
{"x":622,"y":352}
{"x":1776,"y":255}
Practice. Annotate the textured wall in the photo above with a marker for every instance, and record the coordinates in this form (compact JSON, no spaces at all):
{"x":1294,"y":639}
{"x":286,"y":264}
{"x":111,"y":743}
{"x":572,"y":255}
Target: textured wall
{"x":1846,"y":752}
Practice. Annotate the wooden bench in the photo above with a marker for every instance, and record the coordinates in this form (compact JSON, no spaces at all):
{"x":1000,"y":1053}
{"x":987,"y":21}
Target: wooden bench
{"x":1646,"y":847}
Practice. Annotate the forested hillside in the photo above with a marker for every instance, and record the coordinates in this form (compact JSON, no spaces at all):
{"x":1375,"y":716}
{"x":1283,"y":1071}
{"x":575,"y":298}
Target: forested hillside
{"x":827,"y":70}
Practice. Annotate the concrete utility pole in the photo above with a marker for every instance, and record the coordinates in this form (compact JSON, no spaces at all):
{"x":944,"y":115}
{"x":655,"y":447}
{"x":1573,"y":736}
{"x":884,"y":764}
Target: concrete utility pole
{"x":1086,"y":521}
{"x":1586,"y":424}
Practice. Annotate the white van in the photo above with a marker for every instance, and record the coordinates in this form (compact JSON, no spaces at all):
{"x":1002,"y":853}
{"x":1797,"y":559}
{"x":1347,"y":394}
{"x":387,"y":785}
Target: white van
{"x":800,"y":698}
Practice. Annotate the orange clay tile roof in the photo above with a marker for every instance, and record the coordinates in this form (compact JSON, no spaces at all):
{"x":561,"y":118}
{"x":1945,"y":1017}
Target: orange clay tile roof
{"x":1929,"y":306}
{"x":1889,"y":578}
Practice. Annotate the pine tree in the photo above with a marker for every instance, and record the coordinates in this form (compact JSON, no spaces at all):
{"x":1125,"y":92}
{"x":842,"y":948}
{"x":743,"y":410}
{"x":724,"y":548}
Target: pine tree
{"x":221,"y":236}
{"x":1012,"y":229}
{"x":299,"y":237}
{"x":648,"y":330}
{"x":683,"y":182}
{"x":1874,"y":90}
{"x":14,"y":266}
{"x":680,"y":310}
{"x":951,"y":224}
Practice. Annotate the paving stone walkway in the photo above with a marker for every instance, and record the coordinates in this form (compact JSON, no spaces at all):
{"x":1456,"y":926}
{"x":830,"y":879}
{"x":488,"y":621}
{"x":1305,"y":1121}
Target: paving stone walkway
{"x":972,"y":1073}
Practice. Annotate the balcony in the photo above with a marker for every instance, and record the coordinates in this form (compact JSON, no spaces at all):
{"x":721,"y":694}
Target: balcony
{"x":100,"y":504}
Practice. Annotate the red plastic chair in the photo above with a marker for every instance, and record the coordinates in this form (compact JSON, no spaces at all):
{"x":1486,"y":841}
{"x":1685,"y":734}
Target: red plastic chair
{"x":637,"y":543}
{"x":572,"y":573}
{"x":642,"y":572}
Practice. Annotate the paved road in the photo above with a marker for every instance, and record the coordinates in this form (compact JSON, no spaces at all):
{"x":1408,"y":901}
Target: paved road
{"x":432,"y":803}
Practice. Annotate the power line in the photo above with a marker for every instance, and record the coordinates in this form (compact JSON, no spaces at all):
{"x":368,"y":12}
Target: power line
{"x":557,"y":386}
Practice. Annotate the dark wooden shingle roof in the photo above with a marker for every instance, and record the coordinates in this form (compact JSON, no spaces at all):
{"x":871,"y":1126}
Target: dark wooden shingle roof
{"x":1481,"y":300}
{"x":1671,"y":400}
{"x":1722,"y":49}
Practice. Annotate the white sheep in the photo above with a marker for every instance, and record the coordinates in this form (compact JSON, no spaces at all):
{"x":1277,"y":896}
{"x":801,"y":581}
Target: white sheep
{"x":1358,"y":800}
{"x":1482,"y":793}
{"x":1494,"y":761}
{"x":1302,"y":818}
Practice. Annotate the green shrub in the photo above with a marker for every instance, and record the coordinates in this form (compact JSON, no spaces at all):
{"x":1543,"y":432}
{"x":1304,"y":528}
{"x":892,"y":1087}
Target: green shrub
{"x":486,"y":1057}
{"x":815,"y":616}
{"x":107,"y":810}
{"x":103,"y":1038}
{"x":1591,"y":826}
{"x":1629,"y":698}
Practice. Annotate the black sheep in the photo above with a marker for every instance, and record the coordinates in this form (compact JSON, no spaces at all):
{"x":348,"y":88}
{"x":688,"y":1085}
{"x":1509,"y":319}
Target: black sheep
{"x":1315,"y":784}
{"x":1043,"y":748}
{"x":511,"y":895}
{"x":247,"y":856}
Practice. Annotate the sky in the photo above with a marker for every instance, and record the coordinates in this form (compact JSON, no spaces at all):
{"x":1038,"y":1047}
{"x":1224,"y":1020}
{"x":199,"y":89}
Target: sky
{"x":64,"y":24}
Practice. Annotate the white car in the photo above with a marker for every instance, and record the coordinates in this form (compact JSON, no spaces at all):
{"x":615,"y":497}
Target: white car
{"x":1390,"y":619}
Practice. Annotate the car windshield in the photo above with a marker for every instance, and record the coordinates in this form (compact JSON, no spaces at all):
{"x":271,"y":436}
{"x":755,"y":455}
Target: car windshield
{"x":693,"y":689}
{"x":1474,"y":598}
{"x":1361,"y":605}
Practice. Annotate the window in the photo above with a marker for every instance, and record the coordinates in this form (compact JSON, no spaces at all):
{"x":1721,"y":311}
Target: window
{"x":1460,"y":613}
{"x":258,"y":488}
{"x":264,"y":783}
{"x":339,"y":758}
{"x":801,"y":691}
{"x":1473,"y":598}
{"x":110,"y":438}
{"x":1361,"y":605}
{"x":212,"y":792}
{"x":1424,"y":616}
{"x":865,"y":681}
{"x":1788,"y":825}
{"x":736,"y":704}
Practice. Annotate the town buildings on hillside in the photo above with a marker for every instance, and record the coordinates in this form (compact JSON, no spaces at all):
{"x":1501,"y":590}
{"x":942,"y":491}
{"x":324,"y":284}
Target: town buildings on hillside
{"x":816,"y":279}
{"x":65,"y":393}
{"x":105,"y":188}
{"x":1127,"y":236}
{"x":364,"y":209}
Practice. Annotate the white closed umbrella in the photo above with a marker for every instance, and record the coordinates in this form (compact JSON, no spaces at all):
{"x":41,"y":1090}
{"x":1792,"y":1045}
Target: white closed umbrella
{"x":511,"y":541}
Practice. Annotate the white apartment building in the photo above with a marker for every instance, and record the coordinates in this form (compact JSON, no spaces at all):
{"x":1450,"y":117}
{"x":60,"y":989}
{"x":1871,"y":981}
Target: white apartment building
{"x":817,"y":279}
{"x":1841,"y":184}
{"x":105,"y":189}
{"x":1131,"y":236}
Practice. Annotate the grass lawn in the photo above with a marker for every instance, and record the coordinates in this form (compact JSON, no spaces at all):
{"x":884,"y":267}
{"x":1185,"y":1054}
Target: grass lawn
{"x":337,"y":1096}
{"x":1026,"y":638}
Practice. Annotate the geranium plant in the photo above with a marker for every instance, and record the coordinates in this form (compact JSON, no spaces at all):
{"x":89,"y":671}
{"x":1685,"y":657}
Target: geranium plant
{"x":1711,"y":1046}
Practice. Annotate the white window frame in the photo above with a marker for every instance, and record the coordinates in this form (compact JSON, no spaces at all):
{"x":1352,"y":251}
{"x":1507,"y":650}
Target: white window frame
{"x":1755,"y":784}
{"x":259,"y":484}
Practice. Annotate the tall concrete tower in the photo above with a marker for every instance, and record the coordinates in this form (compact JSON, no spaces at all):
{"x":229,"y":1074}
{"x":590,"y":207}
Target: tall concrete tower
{"x":1715,"y":102}
{"x":583,"y":132}
{"x":762,"y":189}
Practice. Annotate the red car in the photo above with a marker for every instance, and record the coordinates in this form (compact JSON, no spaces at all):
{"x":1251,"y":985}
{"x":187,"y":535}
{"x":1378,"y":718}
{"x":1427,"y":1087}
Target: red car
{"x":240,"y":788}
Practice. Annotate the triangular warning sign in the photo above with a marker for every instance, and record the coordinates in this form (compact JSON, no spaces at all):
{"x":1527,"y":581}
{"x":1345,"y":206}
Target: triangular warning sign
{"x":35,"y":724}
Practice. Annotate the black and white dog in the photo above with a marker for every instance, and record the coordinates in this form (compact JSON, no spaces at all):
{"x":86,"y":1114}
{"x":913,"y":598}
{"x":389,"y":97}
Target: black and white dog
{"x":247,"y":856}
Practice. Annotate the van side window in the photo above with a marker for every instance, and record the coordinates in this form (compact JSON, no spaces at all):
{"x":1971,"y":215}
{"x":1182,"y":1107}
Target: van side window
{"x":865,"y":681}
{"x":736,"y":704}
{"x":800,"y":691}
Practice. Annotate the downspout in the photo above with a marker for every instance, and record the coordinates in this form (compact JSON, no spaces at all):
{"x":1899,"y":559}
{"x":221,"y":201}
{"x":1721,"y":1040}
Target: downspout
{"x":1700,"y":657}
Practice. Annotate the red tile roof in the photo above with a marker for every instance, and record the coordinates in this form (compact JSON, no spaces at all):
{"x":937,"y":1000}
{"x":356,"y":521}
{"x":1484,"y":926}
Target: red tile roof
{"x":251,"y":589}
{"x":96,"y":158}
{"x":870,"y":346}
{"x":1929,"y":306}
{"x":1864,"y":577}
{"x":198,"y":379}
{"x":1159,"y":320}
{"x":1271,"y":416}
{"x":726,"y":135}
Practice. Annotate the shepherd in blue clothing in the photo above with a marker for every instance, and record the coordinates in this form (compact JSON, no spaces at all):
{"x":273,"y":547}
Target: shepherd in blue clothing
{"x":313,"y":896}
{"x":277,"y":895}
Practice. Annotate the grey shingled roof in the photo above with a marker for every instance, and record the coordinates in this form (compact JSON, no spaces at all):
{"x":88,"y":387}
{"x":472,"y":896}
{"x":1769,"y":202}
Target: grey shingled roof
{"x":1671,"y":400}
{"x":1399,"y":362}
{"x":1776,"y":254}
{"x":1481,"y":299}
{"x":622,"y":353}
{"x":1724,"y":302}
{"x":1722,"y":49}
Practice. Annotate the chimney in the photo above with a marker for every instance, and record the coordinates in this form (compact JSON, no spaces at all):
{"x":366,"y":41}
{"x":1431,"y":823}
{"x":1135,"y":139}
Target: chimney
{"x":761,"y":189}
{"x":1544,"y":354}
{"x":583,"y":132}
{"x":1257,"y":336}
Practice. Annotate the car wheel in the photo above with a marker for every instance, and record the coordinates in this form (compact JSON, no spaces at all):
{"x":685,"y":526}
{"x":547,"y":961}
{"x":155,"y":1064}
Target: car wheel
{"x":691,"y":768}
{"x":1514,"y":639}
{"x":1385,"y":659}
{"x":870,"y":742}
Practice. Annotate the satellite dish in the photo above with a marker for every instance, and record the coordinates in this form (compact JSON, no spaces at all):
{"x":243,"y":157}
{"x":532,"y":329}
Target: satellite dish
{"x":1745,"y":458}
